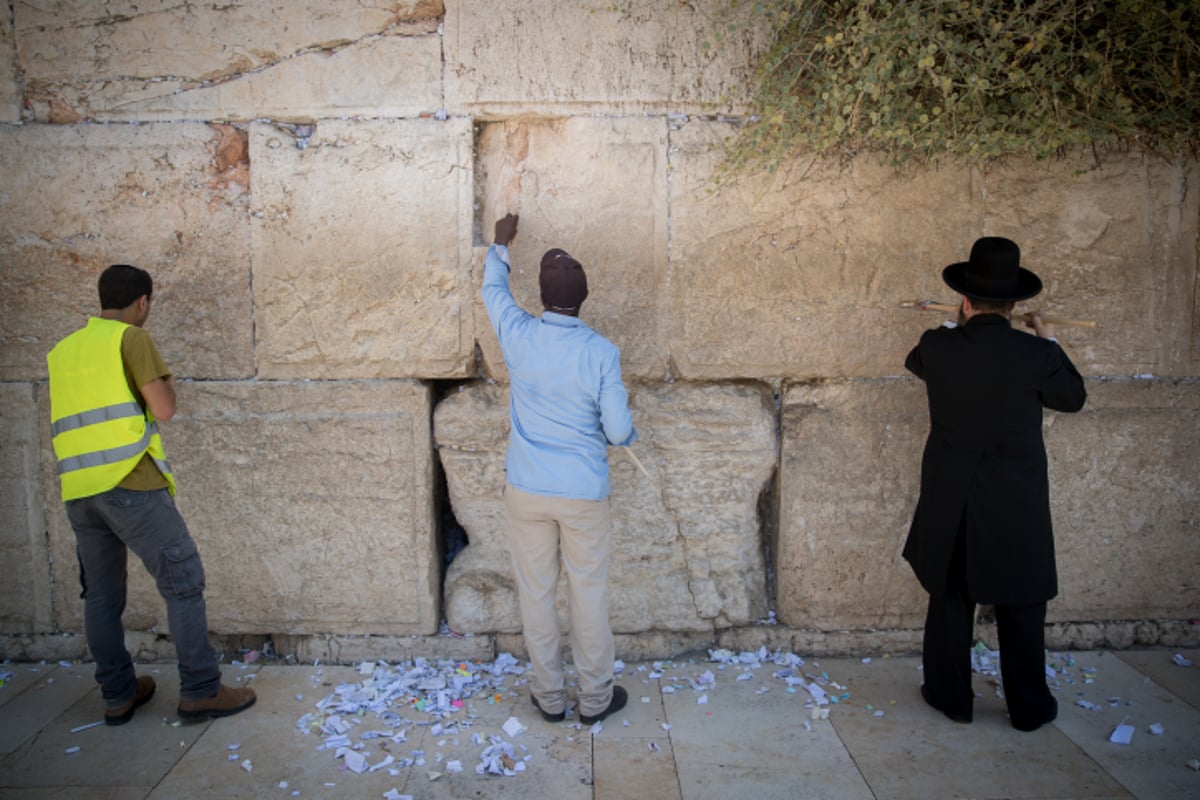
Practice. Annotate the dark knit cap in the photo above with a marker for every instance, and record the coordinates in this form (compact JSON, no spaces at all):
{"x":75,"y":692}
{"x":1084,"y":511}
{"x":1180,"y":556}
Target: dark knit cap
{"x":563,"y":282}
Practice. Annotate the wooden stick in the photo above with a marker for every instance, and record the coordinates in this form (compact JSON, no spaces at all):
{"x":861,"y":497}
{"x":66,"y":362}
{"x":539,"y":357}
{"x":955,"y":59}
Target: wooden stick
{"x":636,"y":460}
{"x":929,"y":305}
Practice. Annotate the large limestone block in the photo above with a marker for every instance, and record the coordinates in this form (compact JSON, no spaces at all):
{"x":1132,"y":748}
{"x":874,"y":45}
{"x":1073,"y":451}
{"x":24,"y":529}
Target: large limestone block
{"x":595,"y":187}
{"x":687,"y":547}
{"x":122,"y":60}
{"x":362,"y":255}
{"x":541,"y":56}
{"x":848,"y":484}
{"x":169,"y":198}
{"x":799,"y":274}
{"x":1122,"y":486}
{"x":25,"y":587}
{"x":10,"y":92}
{"x":312,"y":505}
{"x":1126,"y":499}
{"x":1115,"y":243}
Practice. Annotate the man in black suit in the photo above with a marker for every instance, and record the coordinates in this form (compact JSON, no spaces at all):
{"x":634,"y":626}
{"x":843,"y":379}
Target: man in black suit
{"x":981,"y":532}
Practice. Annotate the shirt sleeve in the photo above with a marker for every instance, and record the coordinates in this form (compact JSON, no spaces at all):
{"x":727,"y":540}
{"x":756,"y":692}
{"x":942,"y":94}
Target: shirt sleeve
{"x":143,"y":363}
{"x":615,"y":418}
{"x":502,"y":309}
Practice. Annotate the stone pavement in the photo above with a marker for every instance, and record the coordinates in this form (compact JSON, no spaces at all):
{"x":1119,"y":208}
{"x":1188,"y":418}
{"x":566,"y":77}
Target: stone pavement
{"x":693,"y":729}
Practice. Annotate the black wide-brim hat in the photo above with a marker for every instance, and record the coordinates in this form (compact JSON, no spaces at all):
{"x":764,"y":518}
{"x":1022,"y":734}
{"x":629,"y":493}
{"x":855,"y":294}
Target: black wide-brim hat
{"x":993,"y":273}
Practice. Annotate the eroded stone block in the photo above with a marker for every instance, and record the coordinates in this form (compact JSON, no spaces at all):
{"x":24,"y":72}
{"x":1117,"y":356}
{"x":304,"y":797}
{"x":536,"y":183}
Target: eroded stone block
{"x":801,"y":273}
{"x":362,"y":257}
{"x":25,"y":588}
{"x":169,"y":198}
{"x":687,"y":546}
{"x":596,"y":188}
{"x":848,"y":483}
{"x":239,"y":61}
{"x":1115,"y":243}
{"x":537,"y":57}
{"x":1124,"y":492}
{"x":312,"y":505}
{"x":10,"y":93}
{"x":1122,"y":489}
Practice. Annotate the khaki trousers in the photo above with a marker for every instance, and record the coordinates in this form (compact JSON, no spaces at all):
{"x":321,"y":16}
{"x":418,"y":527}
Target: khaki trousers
{"x":539,"y":528}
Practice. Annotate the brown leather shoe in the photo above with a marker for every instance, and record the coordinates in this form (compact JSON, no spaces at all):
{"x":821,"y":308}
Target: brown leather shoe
{"x":224,"y":703}
{"x":122,"y":714}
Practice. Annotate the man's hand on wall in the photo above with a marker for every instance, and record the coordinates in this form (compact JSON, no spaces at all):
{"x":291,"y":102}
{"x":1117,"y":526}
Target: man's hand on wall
{"x":506,"y":229}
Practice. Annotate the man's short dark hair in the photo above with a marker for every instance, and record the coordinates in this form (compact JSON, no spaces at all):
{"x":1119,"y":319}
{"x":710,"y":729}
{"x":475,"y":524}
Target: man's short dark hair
{"x":991,"y":306}
{"x":122,"y":284}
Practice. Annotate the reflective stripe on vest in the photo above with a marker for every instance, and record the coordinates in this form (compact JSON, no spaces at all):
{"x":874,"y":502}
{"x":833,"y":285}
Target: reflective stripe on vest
{"x":96,"y":416}
{"x":102,"y":457}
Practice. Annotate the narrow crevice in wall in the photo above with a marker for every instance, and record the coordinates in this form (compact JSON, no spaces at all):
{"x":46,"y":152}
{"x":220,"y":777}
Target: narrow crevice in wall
{"x":451,"y":536}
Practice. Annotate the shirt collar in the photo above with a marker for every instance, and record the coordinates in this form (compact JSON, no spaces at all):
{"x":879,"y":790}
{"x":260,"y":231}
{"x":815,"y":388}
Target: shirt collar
{"x":561,"y":320}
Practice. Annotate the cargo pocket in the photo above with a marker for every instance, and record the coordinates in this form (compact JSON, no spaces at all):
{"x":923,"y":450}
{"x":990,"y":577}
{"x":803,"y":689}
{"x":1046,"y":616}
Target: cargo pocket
{"x":184,"y":572}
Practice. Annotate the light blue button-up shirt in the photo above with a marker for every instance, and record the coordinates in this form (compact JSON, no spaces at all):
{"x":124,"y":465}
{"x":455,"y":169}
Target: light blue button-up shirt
{"x":566,"y":397}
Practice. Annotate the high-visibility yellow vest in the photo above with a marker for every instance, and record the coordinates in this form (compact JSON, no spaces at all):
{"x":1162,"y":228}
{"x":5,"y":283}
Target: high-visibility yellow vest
{"x":99,"y":430}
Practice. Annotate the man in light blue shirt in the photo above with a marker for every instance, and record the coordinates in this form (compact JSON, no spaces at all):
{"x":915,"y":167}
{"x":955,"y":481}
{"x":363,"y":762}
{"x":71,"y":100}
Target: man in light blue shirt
{"x":568,"y":404}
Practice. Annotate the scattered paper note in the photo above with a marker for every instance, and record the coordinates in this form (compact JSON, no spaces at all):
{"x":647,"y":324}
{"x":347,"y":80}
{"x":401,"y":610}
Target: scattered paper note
{"x":1122,"y":734}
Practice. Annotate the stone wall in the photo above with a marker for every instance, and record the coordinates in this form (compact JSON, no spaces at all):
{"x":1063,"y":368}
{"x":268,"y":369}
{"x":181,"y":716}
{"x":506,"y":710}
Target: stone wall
{"x":312,"y":186}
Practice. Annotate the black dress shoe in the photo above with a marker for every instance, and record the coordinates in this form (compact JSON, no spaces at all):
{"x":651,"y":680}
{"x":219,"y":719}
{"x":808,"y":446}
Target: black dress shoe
{"x":1026,"y":726}
{"x":963,"y":719}
{"x":559,"y":717}
{"x":619,"y":698}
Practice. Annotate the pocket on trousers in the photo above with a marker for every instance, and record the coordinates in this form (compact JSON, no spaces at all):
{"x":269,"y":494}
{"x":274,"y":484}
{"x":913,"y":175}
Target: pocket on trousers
{"x":185,"y":573}
{"x":126,"y":498}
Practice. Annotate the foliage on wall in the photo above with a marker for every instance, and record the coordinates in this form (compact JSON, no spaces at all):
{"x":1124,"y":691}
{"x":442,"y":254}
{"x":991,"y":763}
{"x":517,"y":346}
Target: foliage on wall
{"x":981,"y":80}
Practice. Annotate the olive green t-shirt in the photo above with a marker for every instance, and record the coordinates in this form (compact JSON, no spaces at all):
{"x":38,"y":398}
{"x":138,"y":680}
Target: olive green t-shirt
{"x":142,"y":365}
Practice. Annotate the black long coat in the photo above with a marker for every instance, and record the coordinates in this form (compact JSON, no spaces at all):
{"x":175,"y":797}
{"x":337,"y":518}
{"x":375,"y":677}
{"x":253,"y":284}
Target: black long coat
{"x":984,"y":464}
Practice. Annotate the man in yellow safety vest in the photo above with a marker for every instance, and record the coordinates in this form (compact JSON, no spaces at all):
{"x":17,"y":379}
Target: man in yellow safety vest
{"x":109,"y":389}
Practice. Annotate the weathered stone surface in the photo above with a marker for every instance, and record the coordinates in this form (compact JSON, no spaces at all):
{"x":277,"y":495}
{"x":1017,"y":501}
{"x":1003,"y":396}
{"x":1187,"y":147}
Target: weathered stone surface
{"x":312,"y":505}
{"x":119,"y":60}
{"x":25,"y":587}
{"x":848,"y":483}
{"x":1115,"y":244}
{"x":539,"y":56}
{"x":687,"y":549}
{"x":362,"y":255}
{"x":10,"y":93}
{"x":1123,"y":486}
{"x":596,"y":188}
{"x":800,"y":274}
{"x":169,"y":198}
{"x":1123,"y":496}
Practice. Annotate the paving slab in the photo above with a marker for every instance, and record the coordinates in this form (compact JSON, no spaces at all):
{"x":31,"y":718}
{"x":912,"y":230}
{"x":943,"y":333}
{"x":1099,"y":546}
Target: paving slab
{"x":22,"y":677}
{"x":745,"y":742}
{"x":138,"y":754}
{"x":913,"y":751}
{"x":631,"y":767}
{"x":267,"y":737}
{"x":40,"y":693}
{"x":285,"y":759}
{"x":1149,"y":766}
{"x":1160,"y":667}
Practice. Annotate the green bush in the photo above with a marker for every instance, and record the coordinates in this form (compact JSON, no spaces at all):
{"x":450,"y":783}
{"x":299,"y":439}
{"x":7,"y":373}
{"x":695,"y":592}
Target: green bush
{"x":977,"y":80}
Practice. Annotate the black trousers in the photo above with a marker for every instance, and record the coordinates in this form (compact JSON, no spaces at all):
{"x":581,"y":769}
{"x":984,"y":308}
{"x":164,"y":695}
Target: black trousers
{"x":946,"y":652}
